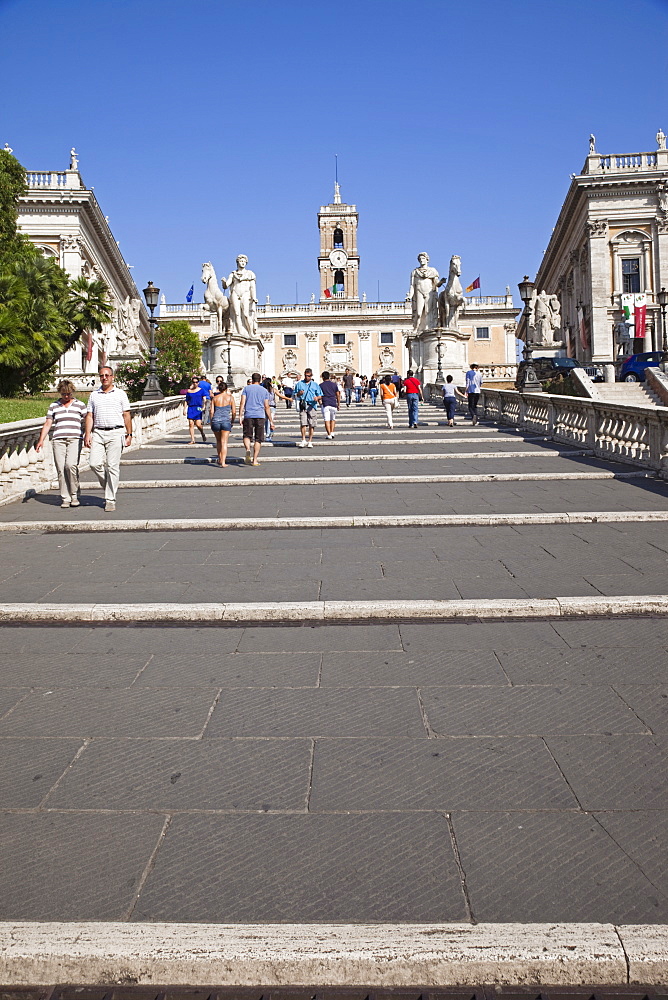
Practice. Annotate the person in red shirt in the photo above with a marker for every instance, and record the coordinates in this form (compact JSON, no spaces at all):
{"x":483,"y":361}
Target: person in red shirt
{"x":413,"y":391}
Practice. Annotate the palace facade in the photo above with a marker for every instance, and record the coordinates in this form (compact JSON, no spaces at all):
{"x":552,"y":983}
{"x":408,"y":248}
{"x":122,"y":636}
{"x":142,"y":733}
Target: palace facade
{"x":341,"y":330}
{"x":610,"y":240}
{"x":64,"y":220}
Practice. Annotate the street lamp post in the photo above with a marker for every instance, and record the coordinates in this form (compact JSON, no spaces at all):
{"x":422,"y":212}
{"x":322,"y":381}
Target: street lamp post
{"x":228,"y":337}
{"x":662,"y":297}
{"x":527,"y":382}
{"x":152,"y":390}
{"x":440,"y":378}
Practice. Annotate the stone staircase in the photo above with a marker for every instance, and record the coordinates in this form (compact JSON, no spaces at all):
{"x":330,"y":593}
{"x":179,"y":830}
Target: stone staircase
{"x":631,"y":393}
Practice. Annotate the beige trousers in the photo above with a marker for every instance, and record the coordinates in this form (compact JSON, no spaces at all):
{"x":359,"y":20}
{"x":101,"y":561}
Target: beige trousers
{"x":106,"y":448}
{"x":66,"y":452}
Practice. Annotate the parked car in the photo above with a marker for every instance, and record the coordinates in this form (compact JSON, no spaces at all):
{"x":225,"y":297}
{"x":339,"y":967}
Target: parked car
{"x":633,"y":367}
{"x":547,"y":368}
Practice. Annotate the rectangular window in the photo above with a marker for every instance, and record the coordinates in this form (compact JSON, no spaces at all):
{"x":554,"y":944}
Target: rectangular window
{"x":387,"y":338}
{"x":631,"y":274}
{"x":338,"y":338}
{"x":289,"y":340}
{"x":482,"y":333}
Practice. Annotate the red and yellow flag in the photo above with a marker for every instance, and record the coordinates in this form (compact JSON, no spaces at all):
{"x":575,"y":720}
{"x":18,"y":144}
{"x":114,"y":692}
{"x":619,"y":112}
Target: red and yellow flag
{"x":476,"y":284}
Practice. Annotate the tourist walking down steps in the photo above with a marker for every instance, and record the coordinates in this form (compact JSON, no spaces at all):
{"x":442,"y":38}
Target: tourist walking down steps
{"x":66,"y":416}
{"x":108,"y":428}
{"x":308,"y":395}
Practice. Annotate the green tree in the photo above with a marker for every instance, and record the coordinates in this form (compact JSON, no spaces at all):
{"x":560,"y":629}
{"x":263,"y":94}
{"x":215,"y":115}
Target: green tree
{"x":179,"y":357}
{"x":13,"y":245}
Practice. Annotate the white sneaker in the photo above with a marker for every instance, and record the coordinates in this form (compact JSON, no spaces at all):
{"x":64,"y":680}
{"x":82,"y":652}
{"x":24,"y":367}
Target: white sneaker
{"x":329,"y":437}
{"x":301,"y":444}
{"x":310,"y":444}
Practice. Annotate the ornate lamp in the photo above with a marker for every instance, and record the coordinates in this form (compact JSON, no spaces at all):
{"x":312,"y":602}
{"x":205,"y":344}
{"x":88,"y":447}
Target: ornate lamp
{"x":527,"y":382}
{"x":152,"y":390}
{"x":662,"y":299}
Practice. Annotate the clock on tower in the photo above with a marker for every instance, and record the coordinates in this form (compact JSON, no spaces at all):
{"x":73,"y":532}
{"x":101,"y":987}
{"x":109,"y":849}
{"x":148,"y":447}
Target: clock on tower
{"x":338,"y":261}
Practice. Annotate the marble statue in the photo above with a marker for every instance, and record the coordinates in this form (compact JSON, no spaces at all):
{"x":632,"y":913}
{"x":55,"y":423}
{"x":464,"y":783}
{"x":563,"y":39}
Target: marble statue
{"x":8,"y":148}
{"x":289,"y":361}
{"x":660,"y":139}
{"x":555,"y":317}
{"x":74,"y":159}
{"x":423,"y":294}
{"x":214,"y":299}
{"x":451,"y":299}
{"x":243,"y":300}
{"x":662,"y":191}
{"x":592,"y":143}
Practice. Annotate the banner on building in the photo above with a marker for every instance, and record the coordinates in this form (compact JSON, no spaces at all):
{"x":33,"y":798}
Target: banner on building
{"x":640,"y":313}
{"x":628,"y":306}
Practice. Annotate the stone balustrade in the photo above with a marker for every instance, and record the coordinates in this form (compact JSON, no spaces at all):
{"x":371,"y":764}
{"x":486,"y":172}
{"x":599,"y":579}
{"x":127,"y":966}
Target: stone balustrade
{"x":499,"y":373}
{"x":634,"y":434}
{"x":53,"y":179}
{"x":23,"y":468}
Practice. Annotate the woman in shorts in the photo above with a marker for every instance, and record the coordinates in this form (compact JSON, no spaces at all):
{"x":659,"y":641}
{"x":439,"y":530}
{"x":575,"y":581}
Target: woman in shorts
{"x":223,"y":412}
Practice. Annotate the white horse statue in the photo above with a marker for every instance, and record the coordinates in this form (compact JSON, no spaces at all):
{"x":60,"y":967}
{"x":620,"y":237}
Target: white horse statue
{"x":451,"y":299}
{"x":214,"y":298}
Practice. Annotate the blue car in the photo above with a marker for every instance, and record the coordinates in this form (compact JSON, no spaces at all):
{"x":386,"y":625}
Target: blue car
{"x":633,"y":369}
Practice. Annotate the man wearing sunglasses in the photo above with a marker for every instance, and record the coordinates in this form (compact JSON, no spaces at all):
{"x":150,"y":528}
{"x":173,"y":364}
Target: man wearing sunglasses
{"x":108,"y":429}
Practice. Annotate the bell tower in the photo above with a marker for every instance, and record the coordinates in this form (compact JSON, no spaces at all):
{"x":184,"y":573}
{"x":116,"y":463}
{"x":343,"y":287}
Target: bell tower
{"x":338,"y":261}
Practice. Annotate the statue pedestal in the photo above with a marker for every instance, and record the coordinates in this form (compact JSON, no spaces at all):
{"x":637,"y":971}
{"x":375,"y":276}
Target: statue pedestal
{"x":424,"y":351}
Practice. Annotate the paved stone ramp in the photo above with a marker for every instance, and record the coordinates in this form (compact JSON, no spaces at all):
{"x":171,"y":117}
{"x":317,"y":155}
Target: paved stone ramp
{"x":408,"y":771}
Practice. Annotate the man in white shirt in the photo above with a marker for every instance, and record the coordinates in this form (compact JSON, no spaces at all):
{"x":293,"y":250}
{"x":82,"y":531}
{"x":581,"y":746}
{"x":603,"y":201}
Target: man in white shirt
{"x":473,"y":385}
{"x":108,"y":427}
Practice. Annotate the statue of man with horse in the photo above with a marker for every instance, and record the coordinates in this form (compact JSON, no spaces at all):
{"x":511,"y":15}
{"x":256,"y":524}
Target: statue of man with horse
{"x":451,"y":299}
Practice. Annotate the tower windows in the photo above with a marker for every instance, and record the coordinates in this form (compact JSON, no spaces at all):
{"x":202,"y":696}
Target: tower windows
{"x":339,"y":281}
{"x":338,"y":238}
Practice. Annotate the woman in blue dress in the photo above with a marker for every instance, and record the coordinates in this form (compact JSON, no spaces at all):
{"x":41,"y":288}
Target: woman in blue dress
{"x":196,"y":399}
{"x":223,"y":414}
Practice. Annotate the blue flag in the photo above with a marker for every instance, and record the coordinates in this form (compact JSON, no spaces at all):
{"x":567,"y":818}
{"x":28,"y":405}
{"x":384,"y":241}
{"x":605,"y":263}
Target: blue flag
{"x":189,"y":296}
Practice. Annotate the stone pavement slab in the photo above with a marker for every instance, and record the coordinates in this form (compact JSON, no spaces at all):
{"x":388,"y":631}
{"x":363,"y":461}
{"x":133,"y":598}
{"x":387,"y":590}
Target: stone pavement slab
{"x":340,"y":712}
{"x":313,"y":868}
{"x":74,"y":866}
{"x":177,"y":775}
{"x":550,"y":866}
{"x":481,"y":774}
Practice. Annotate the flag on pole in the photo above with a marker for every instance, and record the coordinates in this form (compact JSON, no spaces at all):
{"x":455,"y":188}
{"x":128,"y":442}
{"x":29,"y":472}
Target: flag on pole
{"x":476,"y":284}
{"x":640,"y":314}
{"x":189,"y":296}
{"x":327,"y":293}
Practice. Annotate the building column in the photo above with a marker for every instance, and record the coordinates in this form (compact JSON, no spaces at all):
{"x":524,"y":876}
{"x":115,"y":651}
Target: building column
{"x":600,"y":333}
{"x":268,"y":357}
{"x":364,"y":354}
{"x":312,"y":357}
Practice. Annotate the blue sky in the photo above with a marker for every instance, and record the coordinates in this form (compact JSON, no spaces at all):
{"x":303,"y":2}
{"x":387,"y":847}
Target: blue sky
{"x":210,"y":129}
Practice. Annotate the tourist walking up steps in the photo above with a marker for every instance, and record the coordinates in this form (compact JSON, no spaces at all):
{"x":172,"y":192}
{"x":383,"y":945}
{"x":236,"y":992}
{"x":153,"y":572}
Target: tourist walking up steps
{"x":388,"y":397}
{"x":450,"y":394}
{"x":223,"y":413}
{"x":197,"y":400}
{"x":373,"y":389}
{"x":274,"y":395}
{"x":288,"y":384}
{"x":254,"y":409}
{"x":308,"y":395}
{"x":66,"y":416}
{"x":348,"y":382}
{"x":413,"y":390}
{"x":331,"y":402}
{"x":473,"y":385}
{"x":108,"y":428}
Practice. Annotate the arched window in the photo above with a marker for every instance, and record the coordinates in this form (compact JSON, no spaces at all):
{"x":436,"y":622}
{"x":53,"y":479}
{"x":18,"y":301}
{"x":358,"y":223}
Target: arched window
{"x":339,"y":282}
{"x":338,"y":238}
